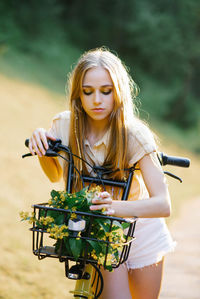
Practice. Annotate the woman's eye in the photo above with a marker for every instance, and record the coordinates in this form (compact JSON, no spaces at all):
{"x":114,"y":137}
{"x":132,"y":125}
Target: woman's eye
{"x":87,"y":92}
{"x":107,"y":91}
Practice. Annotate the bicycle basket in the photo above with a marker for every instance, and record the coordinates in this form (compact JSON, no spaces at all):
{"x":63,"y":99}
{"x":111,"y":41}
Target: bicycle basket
{"x":105,"y":240}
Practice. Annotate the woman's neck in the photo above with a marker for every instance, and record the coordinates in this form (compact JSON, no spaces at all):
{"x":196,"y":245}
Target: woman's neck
{"x":95,"y":130}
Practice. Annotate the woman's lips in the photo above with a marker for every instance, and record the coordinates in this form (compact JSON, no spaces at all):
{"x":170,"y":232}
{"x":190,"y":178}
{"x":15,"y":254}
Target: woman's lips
{"x":98,"y":109}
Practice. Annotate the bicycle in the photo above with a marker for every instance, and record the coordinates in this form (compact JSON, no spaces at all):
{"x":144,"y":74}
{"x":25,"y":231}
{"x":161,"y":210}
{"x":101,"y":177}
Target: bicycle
{"x":85,"y":269}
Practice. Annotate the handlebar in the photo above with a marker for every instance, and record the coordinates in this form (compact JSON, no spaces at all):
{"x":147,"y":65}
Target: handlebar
{"x":56,"y":146}
{"x":172,"y":160}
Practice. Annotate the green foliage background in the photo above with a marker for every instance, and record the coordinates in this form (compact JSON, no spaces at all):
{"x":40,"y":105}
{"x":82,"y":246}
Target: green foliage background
{"x":158,"y":40}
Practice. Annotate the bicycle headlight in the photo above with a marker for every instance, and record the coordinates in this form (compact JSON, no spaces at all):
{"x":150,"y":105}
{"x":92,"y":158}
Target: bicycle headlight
{"x":77,"y":225}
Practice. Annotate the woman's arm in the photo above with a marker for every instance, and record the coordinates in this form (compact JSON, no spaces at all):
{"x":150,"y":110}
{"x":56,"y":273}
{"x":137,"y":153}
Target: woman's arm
{"x":157,"y":205}
{"x":51,"y":168}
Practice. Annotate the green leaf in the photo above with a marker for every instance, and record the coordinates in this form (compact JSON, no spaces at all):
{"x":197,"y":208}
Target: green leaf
{"x":42,"y":213}
{"x":104,"y":223}
{"x":57,"y":245}
{"x":38,"y":224}
{"x":67,"y":247}
{"x":109,"y":268}
{"x":125,"y":225}
{"x":116,"y":225}
{"x":53,"y":214}
{"x":76,"y":246}
{"x":83,"y":205}
{"x":59,"y":219}
{"x":54,"y":193}
{"x":81,"y":193}
{"x":96,"y":246}
{"x":116,"y":254}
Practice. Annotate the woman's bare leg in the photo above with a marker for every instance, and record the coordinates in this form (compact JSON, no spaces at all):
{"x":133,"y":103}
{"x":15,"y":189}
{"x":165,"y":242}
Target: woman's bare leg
{"x":145,"y":283}
{"x":116,"y":284}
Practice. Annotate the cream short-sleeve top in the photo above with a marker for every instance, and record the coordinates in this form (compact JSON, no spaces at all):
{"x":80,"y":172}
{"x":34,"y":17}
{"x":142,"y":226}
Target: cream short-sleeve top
{"x":140,"y":143}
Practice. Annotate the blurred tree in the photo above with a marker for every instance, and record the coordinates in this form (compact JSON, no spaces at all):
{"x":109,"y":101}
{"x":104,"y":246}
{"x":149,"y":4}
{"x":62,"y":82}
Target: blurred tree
{"x":157,"y":39}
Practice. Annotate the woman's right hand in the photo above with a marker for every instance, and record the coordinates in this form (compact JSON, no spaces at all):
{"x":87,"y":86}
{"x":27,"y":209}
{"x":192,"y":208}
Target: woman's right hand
{"x":38,"y":142}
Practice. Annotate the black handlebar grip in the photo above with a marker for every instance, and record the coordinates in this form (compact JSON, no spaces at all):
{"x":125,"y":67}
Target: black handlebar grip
{"x":176,"y":161}
{"x":27,"y":142}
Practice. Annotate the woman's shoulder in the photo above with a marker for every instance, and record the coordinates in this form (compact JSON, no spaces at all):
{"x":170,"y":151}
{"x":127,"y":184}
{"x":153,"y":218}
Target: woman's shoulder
{"x":60,"y":126}
{"x":62,"y":115}
{"x":140,"y":131}
{"x":141,"y":141}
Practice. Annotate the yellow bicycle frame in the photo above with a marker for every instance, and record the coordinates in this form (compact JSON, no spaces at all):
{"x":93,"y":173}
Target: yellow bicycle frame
{"x":84,"y":287}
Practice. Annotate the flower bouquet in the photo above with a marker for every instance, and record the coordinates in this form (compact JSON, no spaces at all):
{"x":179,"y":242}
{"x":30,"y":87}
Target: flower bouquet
{"x":104,"y":237}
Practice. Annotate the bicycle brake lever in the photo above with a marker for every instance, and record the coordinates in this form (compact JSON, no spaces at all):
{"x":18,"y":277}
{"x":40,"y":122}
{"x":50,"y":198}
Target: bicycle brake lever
{"x":49,"y":153}
{"x":26,"y":155}
{"x":173,"y":176}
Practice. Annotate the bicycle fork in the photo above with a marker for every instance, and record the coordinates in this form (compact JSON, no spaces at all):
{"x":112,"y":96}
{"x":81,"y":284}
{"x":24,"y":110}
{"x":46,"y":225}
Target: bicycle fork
{"x":84,"y":286}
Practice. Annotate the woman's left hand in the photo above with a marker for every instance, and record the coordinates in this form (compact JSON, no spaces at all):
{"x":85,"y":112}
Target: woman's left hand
{"x":102,"y":201}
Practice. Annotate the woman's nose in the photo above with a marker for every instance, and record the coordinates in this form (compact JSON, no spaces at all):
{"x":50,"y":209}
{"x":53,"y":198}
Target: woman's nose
{"x":97,"y":97}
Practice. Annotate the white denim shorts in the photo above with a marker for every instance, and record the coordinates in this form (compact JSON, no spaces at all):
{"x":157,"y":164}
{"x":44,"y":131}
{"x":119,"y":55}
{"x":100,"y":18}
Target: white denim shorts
{"x":152,"y":242}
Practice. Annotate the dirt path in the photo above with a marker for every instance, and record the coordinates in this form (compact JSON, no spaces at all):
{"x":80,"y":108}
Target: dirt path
{"x":182,"y":269}
{"x":24,"y":107}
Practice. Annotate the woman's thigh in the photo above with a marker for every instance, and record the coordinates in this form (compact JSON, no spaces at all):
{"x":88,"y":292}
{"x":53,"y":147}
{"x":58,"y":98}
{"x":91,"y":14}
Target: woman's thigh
{"x":145,"y":283}
{"x":116,"y":284}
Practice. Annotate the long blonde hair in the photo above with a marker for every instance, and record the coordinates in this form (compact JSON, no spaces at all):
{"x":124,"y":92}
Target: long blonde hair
{"x":125,"y":91}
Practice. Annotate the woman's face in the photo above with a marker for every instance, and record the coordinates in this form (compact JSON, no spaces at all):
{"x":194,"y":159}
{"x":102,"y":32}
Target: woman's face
{"x":97,"y":94}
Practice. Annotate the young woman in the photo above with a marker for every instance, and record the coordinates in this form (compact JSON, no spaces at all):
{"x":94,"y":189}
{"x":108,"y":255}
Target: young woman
{"x":102,"y":127}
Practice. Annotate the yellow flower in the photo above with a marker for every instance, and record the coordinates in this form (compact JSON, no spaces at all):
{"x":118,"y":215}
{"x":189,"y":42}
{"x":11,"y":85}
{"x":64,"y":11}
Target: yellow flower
{"x":108,"y":234}
{"x":93,"y":254}
{"x":50,"y":202}
{"x":66,"y":234}
{"x":96,"y":189}
{"x":46,"y":220}
{"x":78,"y":236}
{"x":73,"y":216}
{"x":62,"y":197}
{"x":109,"y":260}
{"x":117,"y":246}
{"x":31,"y":220}
{"x":24,"y":215}
{"x":58,"y":232}
{"x":101,"y":259}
